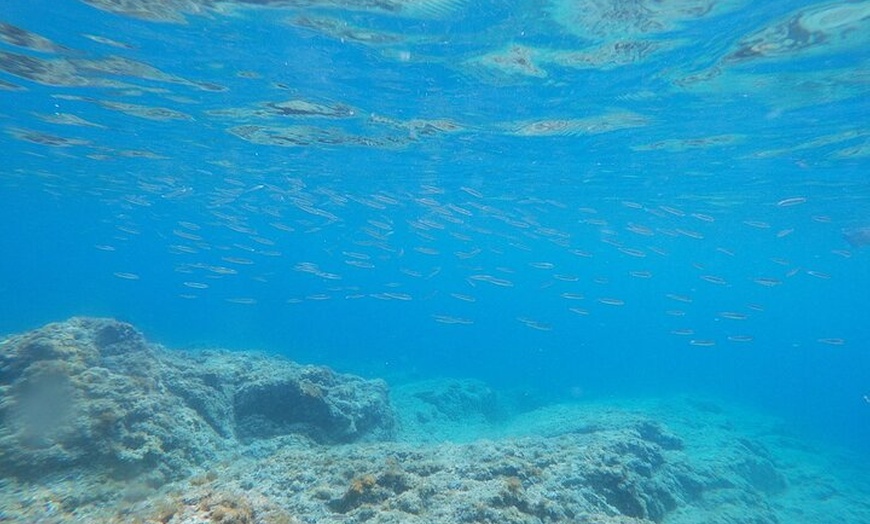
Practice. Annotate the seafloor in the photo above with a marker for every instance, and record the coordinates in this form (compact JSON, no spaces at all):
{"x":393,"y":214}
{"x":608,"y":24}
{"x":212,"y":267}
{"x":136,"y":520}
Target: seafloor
{"x":98,"y":425}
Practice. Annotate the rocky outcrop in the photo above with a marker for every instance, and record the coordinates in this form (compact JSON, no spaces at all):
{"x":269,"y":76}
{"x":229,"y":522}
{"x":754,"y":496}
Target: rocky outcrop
{"x":447,"y":409}
{"x":93,"y":392}
{"x":98,"y":425}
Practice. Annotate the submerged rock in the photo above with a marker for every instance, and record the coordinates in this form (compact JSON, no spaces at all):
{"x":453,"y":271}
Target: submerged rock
{"x":92,"y":393}
{"x":446,"y":409}
{"x":98,"y":425}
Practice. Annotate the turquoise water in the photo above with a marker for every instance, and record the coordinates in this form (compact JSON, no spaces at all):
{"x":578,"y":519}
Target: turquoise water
{"x":628,"y":199}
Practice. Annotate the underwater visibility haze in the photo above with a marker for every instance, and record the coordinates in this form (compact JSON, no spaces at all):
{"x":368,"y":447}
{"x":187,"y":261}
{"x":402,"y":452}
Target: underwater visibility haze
{"x":569,"y":201}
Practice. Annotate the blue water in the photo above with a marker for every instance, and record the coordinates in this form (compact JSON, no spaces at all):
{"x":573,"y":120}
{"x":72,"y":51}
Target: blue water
{"x":461,"y":189}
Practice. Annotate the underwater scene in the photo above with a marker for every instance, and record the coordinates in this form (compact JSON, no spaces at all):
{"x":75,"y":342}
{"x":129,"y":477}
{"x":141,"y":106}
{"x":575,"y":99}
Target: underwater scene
{"x":435,"y":261}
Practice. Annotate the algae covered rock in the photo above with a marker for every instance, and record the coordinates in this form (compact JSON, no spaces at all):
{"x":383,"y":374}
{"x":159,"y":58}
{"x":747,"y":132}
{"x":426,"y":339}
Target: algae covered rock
{"x":89,"y":392}
{"x":253,"y":396}
{"x":447,"y":409}
{"x":314,"y":401}
{"x":92,"y":393}
{"x":97,"y":425}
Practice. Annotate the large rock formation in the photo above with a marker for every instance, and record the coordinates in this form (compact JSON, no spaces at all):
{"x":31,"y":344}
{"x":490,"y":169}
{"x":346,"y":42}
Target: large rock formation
{"x":97,"y":425}
{"x":93,"y":392}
